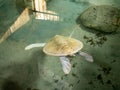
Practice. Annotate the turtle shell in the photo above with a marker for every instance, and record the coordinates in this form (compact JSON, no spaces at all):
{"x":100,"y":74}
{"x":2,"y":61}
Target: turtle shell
{"x":62,"y":46}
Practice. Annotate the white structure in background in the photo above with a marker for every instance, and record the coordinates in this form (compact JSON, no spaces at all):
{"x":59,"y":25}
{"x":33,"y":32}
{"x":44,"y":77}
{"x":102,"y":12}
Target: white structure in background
{"x":43,"y":13}
{"x":20,"y":21}
{"x":36,"y":5}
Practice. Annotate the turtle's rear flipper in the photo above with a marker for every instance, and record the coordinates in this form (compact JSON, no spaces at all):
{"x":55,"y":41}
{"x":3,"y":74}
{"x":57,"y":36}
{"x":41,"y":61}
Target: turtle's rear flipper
{"x":87,"y":56}
{"x":66,"y":66}
{"x":34,"y":45}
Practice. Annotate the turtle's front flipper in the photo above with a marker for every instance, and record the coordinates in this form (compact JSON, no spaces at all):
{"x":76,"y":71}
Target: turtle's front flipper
{"x":66,"y":66}
{"x":34,"y":45}
{"x":87,"y":56}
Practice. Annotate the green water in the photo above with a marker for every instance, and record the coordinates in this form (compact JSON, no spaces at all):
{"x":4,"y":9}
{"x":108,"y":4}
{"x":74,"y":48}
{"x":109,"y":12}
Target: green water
{"x":34,"y":70}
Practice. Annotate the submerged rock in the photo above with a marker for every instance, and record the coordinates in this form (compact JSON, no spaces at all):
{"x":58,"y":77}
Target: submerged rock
{"x":102,"y":18}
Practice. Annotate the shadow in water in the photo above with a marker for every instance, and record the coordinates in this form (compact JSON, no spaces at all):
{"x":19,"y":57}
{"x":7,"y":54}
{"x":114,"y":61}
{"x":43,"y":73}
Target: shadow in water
{"x":11,"y":85}
{"x":24,"y":74}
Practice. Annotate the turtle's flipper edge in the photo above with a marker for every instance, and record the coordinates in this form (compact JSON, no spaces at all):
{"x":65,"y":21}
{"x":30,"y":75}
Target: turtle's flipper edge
{"x":87,"y":56}
{"x":34,"y":45}
{"x":66,"y":66}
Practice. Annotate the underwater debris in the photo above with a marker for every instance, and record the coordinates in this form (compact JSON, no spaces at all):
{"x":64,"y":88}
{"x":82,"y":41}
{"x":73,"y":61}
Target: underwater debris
{"x":99,"y":40}
{"x":75,"y":75}
{"x":103,"y":38}
{"x":56,"y":80}
{"x":78,"y":81}
{"x":100,"y":78}
{"x":99,"y":43}
{"x":51,"y":77}
{"x":85,"y":37}
{"x":113,"y":61}
{"x":99,"y":34}
{"x":106,"y":69}
{"x":114,"y":88}
{"x":90,"y":82}
{"x":74,"y":65}
{"x":109,"y":82}
{"x":65,"y":75}
{"x":90,"y":39}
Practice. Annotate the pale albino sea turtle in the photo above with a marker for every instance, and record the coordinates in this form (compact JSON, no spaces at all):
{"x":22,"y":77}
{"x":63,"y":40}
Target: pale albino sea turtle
{"x":62,"y":47}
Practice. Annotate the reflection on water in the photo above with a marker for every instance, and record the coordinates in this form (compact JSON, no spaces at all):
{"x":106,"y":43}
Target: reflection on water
{"x":21,"y":20}
{"x":42,"y":12}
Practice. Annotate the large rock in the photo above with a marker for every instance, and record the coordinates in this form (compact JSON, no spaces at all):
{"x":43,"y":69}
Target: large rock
{"x":103,"y":18}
